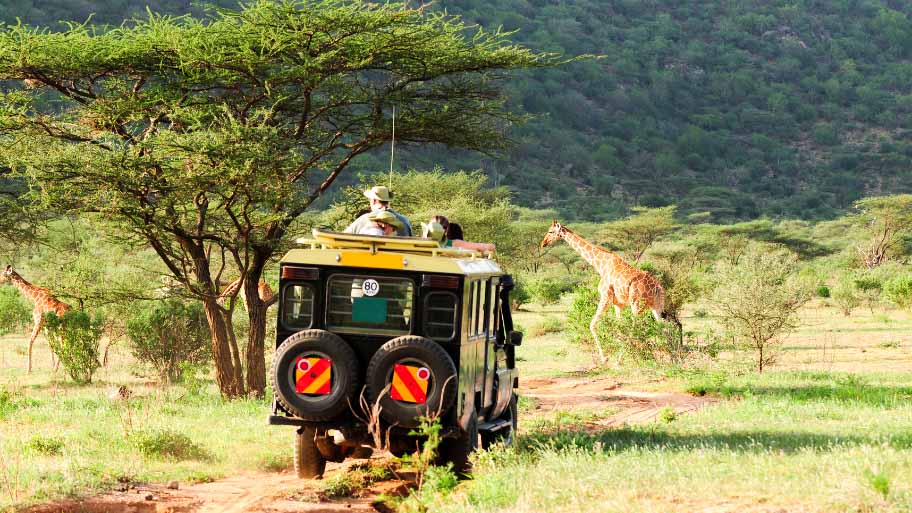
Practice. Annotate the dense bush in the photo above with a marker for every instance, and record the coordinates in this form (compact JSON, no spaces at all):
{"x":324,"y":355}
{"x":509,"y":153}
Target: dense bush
{"x":14,"y":311}
{"x":167,"y":334}
{"x":899,"y":290}
{"x":74,"y":338}
{"x":638,"y":339}
{"x":823,"y":291}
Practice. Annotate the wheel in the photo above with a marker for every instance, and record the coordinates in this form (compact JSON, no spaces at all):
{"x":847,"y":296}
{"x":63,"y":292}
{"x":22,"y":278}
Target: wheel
{"x":301,"y":363}
{"x":308,"y":462}
{"x":504,"y":436}
{"x":457,"y":450}
{"x":431,"y":367}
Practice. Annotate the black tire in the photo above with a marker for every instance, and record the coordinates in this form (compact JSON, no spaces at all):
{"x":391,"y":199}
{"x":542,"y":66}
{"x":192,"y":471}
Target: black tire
{"x":315,"y":408}
{"x":457,"y":450}
{"x":308,"y":462}
{"x":410,"y":349}
{"x":506,"y":435}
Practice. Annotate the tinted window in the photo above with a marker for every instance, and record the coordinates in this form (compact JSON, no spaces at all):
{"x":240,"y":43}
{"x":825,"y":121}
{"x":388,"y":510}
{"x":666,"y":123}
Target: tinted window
{"x":297,"y":306}
{"x":370,"y":304}
{"x":440,"y":316}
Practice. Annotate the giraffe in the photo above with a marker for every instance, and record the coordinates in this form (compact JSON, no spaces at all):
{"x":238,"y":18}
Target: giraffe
{"x":43,"y":302}
{"x":265,"y":292}
{"x":621,"y":284}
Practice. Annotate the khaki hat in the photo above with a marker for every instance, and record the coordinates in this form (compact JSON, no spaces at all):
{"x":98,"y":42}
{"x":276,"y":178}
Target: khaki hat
{"x":387,"y":217}
{"x":380,"y":193}
{"x":433,"y":230}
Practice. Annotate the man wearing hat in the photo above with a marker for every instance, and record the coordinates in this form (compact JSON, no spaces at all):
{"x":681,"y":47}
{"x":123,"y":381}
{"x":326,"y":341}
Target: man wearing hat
{"x":379,"y":197}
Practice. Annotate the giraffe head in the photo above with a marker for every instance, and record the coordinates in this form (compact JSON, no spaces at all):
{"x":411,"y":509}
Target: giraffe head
{"x":7,"y":274}
{"x":554,"y":233}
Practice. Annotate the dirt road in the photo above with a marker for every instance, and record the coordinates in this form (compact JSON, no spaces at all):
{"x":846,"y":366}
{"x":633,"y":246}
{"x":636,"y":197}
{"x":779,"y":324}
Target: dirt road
{"x":283,"y":492}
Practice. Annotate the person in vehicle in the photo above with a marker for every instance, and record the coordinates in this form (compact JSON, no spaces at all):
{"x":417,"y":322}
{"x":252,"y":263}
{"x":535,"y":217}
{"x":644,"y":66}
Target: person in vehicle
{"x":379,"y":198}
{"x":452,"y":236}
{"x":385,"y":221}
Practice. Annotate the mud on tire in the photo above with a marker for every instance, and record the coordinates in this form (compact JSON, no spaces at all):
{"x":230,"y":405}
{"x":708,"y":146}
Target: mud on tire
{"x":308,"y":462}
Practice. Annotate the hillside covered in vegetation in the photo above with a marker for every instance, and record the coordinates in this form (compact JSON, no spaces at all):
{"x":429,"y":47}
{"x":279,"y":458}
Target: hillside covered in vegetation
{"x":741,"y":109}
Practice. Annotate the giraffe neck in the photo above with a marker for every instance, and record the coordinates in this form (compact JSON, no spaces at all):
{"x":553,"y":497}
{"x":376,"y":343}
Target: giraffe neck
{"x":31,"y":292}
{"x":593,"y":254}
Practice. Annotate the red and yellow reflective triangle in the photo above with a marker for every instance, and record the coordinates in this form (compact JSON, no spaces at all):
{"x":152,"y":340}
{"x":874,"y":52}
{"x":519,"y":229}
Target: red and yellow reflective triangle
{"x":313,"y":376}
{"x":410,"y":384}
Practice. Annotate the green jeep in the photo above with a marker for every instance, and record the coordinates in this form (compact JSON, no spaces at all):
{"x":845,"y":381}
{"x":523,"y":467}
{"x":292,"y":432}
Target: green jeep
{"x":376,"y":332}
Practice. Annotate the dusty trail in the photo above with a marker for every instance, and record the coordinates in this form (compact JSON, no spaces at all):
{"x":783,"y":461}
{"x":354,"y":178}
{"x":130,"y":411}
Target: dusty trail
{"x":284,"y":492}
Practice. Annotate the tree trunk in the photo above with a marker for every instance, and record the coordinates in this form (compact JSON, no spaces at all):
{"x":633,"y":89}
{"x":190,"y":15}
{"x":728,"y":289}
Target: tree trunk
{"x":225,"y":372}
{"x":256,"y":336}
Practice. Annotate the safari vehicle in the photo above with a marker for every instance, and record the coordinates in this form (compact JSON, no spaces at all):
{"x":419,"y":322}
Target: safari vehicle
{"x":374,"y":333}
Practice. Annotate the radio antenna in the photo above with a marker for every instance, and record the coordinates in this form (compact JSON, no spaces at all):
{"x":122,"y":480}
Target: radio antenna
{"x":392,"y":149}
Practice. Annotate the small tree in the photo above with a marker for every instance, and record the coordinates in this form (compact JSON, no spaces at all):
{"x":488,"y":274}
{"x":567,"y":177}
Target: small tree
{"x":887,"y":221}
{"x":635,"y":234}
{"x":168,"y":334}
{"x":844,"y":294}
{"x":758,"y":300}
{"x":74,"y":338}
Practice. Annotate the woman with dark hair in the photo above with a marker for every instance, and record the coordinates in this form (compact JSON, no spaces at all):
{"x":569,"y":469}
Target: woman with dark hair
{"x":453,"y":236}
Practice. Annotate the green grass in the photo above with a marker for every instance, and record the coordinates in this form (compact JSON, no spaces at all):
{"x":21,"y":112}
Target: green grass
{"x":830,"y":442}
{"x":58,"y":439}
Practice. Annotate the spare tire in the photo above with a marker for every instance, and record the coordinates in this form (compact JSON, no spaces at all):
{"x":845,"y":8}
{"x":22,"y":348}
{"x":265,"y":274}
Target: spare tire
{"x":430,"y":364}
{"x":306,"y":384}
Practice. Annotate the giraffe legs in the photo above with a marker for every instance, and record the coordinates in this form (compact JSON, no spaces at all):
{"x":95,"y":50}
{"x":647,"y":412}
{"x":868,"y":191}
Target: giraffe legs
{"x":31,"y":343}
{"x":604,"y":301}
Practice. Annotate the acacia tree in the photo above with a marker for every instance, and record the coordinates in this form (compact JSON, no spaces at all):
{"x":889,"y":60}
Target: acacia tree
{"x":638,"y":232}
{"x":207,"y":139}
{"x":757,"y":300}
{"x":887,"y":221}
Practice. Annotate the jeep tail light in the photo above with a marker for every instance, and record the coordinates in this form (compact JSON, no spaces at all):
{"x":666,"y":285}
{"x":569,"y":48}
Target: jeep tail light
{"x":440,"y":282}
{"x":300,"y":273}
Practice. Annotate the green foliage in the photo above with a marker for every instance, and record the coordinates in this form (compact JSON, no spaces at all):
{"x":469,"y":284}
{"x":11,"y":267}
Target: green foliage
{"x":639,"y":339}
{"x":520,"y":294}
{"x":547,"y":290}
{"x":50,"y":446}
{"x":15,"y":313}
{"x":721,"y":121}
{"x":757,"y":300}
{"x":845,"y":295}
{"x":887,"y":223}
{"x":899,"y":290}
{"x":74,"y":338}
{"x":168,"y":444}
{"x":823,"y":291}
{"x":636,"y":233}
{"x":169,"y":334}
{"x":547,"y":325}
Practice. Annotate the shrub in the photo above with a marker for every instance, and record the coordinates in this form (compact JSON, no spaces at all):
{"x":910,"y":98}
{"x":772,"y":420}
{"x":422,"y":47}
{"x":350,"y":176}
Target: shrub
{"x":519,"y":295}
{"x":168,"y":444}
{"x":547,"y":291}
{"x":823,"y":291}
{"x":14,"y":311}
{"x":845,"y":296}
{"x":758,"y":300}
{"x":899,"y":291}
{"x":46,"y":445}
{"x":74,"y":338}
{"x":168,"y":334}
{"x":547,"y":325}
{"x":639,"y":338}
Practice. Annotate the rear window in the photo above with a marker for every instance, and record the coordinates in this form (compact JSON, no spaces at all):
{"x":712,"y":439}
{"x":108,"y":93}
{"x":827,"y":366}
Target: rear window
{"x":370,"y":304}
{"x":297,"y":306}
{"x":440,"y":316}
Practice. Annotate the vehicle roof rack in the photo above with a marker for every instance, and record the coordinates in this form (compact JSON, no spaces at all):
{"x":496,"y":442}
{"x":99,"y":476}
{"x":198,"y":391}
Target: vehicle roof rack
{"x":324,"y":239}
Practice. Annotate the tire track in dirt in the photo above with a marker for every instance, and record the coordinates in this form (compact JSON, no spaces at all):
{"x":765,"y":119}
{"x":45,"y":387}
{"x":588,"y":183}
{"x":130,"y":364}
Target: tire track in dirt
{"x":284,"y":493}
